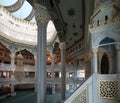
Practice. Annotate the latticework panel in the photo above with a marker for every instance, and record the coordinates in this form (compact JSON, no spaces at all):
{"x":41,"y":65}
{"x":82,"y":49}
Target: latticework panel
{"x":109,"y":89}
{"x":82,"y":97}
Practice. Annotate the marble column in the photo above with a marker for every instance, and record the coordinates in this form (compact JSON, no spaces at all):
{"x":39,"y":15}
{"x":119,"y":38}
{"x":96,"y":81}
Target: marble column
{"x":111,"y":70}
{"x":42,"y":19}
{"x":63,"y":70}
{"x":118,"y":58}
{"x":12,"y":73}
{"x":35,"y":58}
{"x":53,"y":75}
{"x":95,"y":60}
{"x":87,"y":61}
{"x":75,"y":73}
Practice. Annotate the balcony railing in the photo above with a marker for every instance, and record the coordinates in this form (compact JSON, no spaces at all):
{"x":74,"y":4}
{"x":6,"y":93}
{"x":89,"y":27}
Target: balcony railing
{"x":7,"y":67}
{"x":4,"y":81}
{"x":29,"y":68}
{"x":27,"y":80}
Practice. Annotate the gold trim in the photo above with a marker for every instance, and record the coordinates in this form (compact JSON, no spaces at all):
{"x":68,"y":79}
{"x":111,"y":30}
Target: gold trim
{"x":103,"y":9}
{"x":105,"y":27}
{"x":110,"y":6}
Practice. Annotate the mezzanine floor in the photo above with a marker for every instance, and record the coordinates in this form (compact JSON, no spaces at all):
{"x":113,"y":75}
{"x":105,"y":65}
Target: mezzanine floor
{"x":30,"y":97}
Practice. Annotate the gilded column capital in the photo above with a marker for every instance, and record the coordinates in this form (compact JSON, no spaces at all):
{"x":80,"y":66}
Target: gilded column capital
{"x":94,"y":50}
{"x":62,"y":46}
{"x":117,"y":47}
{"x":87,"y":58}
{"x":41,"y":13}
{"x":110,"y":55}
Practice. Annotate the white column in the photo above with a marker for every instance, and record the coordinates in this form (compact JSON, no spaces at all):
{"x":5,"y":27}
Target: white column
{"x":63,"y":70}
{"x":118,"y":58}
{"x":53,"y":76}
{"x":35,"y":58}
{"x":95,"y":60}
{"x":12,"y":74}
{"x":42,"y":19}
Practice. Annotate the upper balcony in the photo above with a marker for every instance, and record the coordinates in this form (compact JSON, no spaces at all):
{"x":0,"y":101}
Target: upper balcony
{"x":22,"y":31}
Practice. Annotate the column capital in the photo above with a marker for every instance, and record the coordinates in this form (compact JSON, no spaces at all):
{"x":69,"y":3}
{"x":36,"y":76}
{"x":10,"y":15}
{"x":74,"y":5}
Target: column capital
{"x":110,"y":55}
{"x":94,"y":50}
{"x":62,"y":46}
{"x":41,"y":13}
{"x":87,"y":58}
{"x":117,"y":47}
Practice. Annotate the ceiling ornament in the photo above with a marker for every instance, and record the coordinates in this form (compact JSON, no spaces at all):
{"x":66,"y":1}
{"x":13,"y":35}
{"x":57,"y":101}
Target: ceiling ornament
{"x":70,"y":38}
{"x":71,"y":12}
{"x":81,"y":26}
{"x":75,"y":41}
{"x":66,"y":23}
{"x":74,"y":26}
{"x":75,"y":34}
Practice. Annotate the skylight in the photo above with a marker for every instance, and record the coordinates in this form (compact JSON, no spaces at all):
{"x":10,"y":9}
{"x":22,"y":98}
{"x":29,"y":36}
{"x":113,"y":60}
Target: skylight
{"x":24,"y":11}
{"x":7,"y":2}
{"x":21,"y":13}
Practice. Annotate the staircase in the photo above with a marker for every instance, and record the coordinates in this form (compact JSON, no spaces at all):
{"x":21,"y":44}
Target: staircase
{"x":99,"y":88}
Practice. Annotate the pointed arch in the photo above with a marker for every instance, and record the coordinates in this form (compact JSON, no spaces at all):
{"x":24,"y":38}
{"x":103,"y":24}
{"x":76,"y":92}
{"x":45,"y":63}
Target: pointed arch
{"x":104,"y":64}
{"x":28,"y":57}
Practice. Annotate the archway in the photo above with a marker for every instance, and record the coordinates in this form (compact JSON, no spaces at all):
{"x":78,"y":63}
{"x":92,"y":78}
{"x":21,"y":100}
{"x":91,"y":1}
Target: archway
{"x":104,"y":64}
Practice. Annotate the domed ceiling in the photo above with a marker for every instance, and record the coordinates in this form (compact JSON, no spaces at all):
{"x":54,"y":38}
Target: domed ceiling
{"x":70,"y":17}
{"x":20,"y":9}
{"x":23,"y":10}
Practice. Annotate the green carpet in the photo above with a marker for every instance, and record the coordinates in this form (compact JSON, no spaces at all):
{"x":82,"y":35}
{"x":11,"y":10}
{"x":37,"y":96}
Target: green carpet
{"x":30,"y":97}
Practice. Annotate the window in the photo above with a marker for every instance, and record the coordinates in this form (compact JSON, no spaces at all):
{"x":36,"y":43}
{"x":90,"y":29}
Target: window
{"x":49,"y":75}
{"x":70,"y":75}
{"x":81,"y":73}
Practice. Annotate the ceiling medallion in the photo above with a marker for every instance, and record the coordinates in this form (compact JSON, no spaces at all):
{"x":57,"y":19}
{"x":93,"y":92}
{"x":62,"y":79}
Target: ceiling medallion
{"x":75,"y":34}
{"x":71,"y":12}
{"x":74,"y":25}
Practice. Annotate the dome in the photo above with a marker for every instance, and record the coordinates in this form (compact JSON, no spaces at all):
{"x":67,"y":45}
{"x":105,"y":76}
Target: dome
{"x":22,"y":10}
{"x":19,"y":56}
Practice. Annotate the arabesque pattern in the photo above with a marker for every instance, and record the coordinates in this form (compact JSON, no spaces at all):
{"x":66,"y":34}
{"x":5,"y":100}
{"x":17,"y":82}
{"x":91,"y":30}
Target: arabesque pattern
{"x":82,"y":97}
{"x":109,"y":89}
